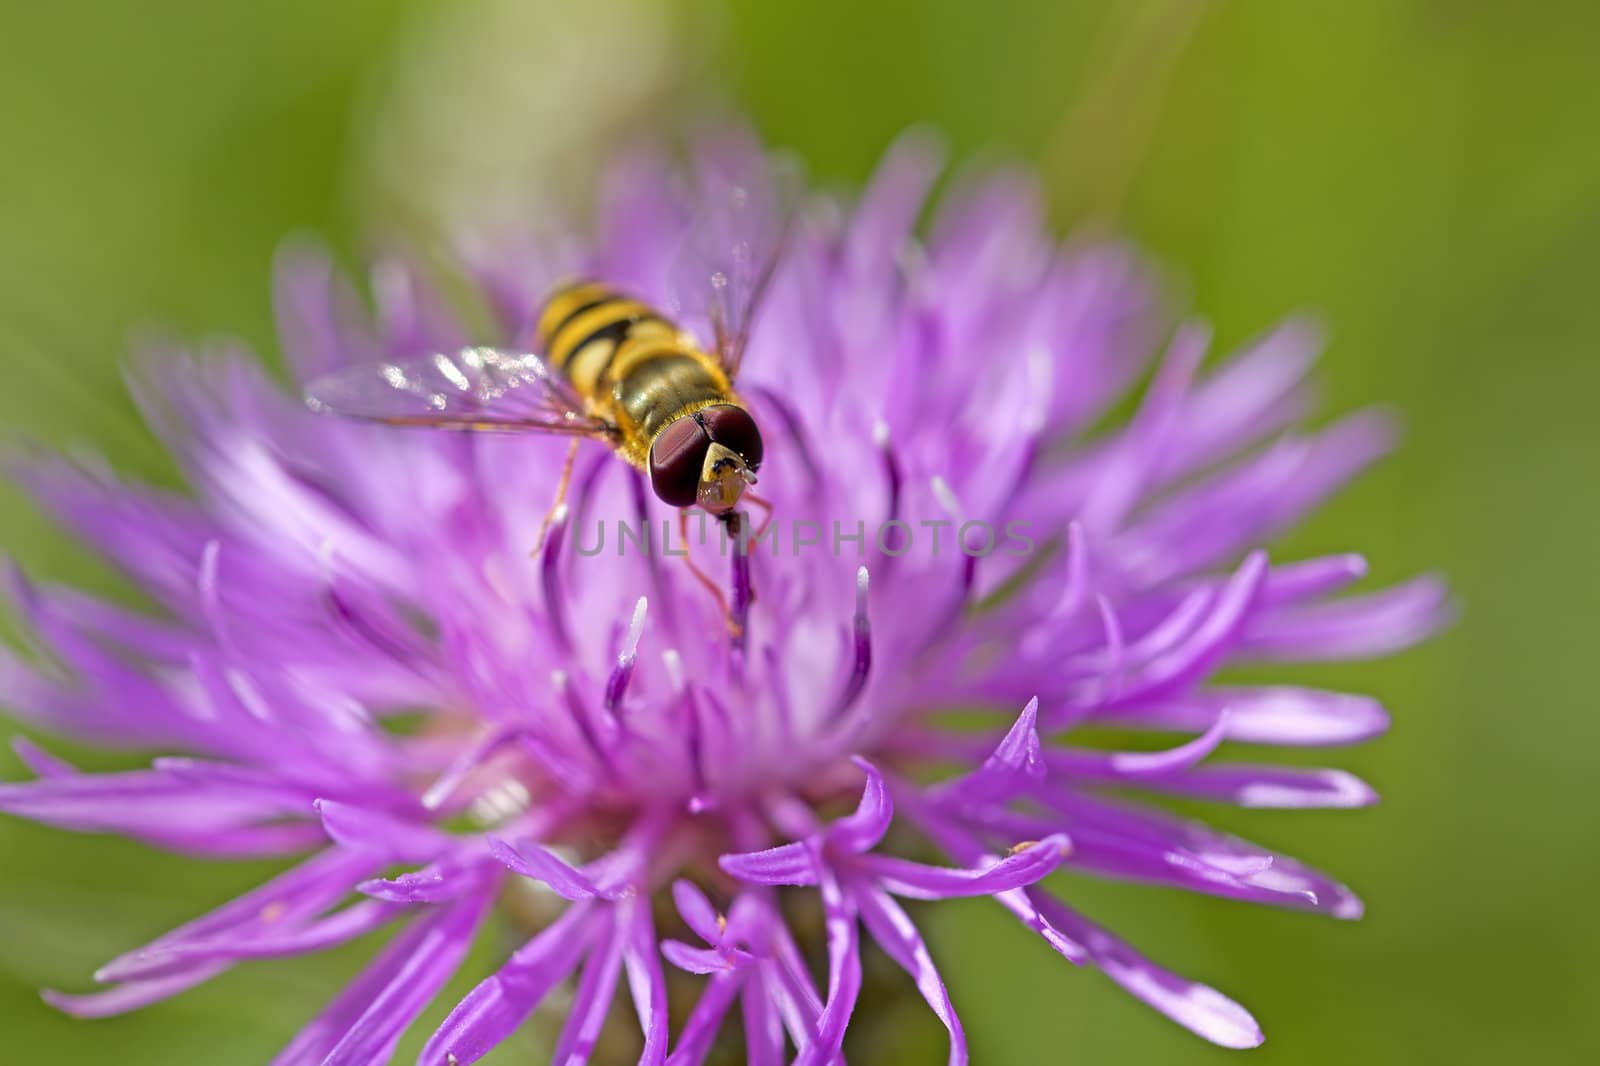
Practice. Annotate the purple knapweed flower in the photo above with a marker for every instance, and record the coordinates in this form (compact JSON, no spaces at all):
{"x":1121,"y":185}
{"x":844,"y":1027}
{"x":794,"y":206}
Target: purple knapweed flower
{"x":359,"y":662}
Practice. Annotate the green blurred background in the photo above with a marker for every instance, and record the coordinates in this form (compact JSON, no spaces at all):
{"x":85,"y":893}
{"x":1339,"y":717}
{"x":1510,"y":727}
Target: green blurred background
{"x":1423,"y":173}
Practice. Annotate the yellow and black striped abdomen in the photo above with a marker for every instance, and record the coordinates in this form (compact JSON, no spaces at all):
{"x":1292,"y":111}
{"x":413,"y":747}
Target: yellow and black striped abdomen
{"x":631,"y":365}
{"x":582,"y":327}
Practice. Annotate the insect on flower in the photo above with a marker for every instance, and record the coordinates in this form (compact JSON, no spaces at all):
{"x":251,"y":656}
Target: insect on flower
{"x":688,"y":819}
{"x":614,"y":369}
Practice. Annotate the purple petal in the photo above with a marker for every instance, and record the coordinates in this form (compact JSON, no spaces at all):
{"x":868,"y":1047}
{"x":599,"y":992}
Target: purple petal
{"x":145,"y":802}
{"x":787,"y":864}
{"x":763,"y":1026}
{"x":918,"y":881}
{"x":246,"y":842}
{"x":592,"y":1002}
{"x":1294,"y":582}
{"x":141,"y":633}
{"x":647,"y":983}
{"x":894,"y":931}
{"x":1104,"y":320}
{"x":1144,"y":844}
{"x":447,"y":879}
{"x":1269,"y":715}
{"x":844,"y":973}
{"x":862,"y":829}
{"x":283,"y":938}
{"x":130,"y":996}
{"x":1125,"y":474}
{"x":1020,"y":904}
{"x":786,"y":976}
{"x":468,"y":760}
{"x":1211,"y":640}
{"x":952,"y":834}
{"x":277,"y":905}
{"x":1141,"y":766}
{"x":1201,"y":526}
{"x":888,"y":207}
{"x":1254,"y":394}
{"x":1233,"y":876}
{"x":531,"y":860}
{"x":700,"y":1030}
{"x":498,"y":1005}
{"x":319,"y":314}
{"x":1019,"y":750}
{"x":1016,"y":762}
{"x":412,"y":317}
{"x":702,"y":960}
{"x":363,"y":1024}
{"x":380,"y":833}
{"x":1201,"y":1010}
{"x":1274,"y":787}
{"x":1353,"y":628}
{"x":41,"y":762}
{"x":697,"y":912}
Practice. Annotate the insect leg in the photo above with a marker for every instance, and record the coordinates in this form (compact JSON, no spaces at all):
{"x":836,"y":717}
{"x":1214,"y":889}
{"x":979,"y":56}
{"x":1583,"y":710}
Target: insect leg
{"x":766,"y":506}
{"x":561,"y":494}
{"x":704,"y":578}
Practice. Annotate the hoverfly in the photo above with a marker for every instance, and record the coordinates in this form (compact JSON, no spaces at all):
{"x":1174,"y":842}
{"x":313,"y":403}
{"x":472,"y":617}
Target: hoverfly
{"x":614,"y":369}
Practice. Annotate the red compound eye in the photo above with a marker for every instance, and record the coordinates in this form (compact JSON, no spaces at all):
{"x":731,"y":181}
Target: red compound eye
{"x":676,"y":459}
{"x":734,"y":429}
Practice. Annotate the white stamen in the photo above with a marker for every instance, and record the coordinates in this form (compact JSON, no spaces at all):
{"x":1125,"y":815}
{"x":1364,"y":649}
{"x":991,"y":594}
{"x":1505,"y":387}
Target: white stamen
{"x":946,"y":497}
{"x":674,"y":667}
{"x":630,"y":642}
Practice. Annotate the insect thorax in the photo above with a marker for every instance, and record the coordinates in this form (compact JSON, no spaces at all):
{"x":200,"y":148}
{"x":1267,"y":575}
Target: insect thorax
{"x":632,"y":365}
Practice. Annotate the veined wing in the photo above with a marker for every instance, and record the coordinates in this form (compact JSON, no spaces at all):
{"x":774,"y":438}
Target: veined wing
{"x":746,"y":207}
{"x":481,"y":389}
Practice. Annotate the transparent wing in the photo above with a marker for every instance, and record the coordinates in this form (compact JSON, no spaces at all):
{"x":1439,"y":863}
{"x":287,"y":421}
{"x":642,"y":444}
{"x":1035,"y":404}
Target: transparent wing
{"x":745,"y":209}
{"x":481,"y":389}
